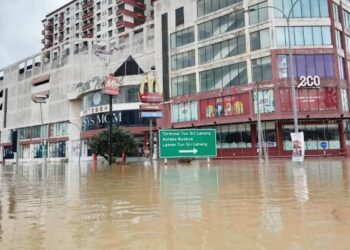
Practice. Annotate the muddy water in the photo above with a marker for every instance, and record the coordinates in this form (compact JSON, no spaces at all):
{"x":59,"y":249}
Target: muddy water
{"x":229,"y":205}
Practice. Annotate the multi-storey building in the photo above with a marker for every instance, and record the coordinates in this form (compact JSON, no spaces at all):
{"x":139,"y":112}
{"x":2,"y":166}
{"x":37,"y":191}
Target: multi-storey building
{"x":69,"y":80}
{"x":212,"y":56}
{"x":220,"y":63}
{"x":99,"y":19}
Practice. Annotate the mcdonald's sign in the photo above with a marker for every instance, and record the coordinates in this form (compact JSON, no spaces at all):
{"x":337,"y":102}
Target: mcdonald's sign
{"x":150,"y":91}
{"x":111,"y":85}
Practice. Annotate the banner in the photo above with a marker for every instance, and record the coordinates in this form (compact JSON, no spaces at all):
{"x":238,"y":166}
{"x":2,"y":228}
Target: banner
{"x":298,"y":146}
{"x":111,"y":85}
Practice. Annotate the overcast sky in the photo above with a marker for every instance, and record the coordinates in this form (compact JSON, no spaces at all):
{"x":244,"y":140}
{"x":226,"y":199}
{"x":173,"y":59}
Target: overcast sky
{"x":20,"y":27}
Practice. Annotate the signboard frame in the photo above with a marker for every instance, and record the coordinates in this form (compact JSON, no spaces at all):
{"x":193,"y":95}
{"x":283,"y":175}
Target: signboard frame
{"x":194,"y":155}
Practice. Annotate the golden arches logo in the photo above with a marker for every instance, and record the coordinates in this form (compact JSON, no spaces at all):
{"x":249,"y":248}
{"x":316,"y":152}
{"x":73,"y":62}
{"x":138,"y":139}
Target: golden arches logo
{"x":150,"y":85}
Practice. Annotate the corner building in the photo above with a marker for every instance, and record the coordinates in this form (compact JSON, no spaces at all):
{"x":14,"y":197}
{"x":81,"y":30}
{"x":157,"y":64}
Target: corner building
{"x":216,"y":60}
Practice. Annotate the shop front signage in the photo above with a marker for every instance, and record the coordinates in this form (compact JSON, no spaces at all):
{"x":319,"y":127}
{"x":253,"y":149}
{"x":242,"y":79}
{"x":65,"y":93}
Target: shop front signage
{"x":184,"y":143}
{"x":111,"y":85}
{"x":309,"y":82}
{"x":94,"y":84}
{"x":150,"y":91}
{"x":151,"y":114}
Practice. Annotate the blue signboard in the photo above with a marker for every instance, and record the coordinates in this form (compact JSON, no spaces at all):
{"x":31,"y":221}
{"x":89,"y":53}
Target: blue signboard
{"x":148,"y":114}
{"x":323,"y":144}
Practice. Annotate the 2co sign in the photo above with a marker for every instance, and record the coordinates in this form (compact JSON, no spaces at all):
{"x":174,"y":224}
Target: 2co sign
{"x":310,"y":82}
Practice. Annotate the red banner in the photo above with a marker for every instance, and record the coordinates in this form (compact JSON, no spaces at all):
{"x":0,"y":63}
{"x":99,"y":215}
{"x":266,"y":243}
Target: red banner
{"x":310,"y":99}
{"x":111,"y":85}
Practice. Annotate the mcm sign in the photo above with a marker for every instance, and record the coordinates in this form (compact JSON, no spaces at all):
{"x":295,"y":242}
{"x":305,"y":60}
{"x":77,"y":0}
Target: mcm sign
{"x":111,"y":85}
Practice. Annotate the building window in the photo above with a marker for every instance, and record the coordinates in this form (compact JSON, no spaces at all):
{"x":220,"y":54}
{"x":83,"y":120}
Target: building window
{"x":110,"y":11}
{"x":305,"y":35}
{"x":179,"y":16}
{"x":260,"y":39}
{"x":346,"y":16}
{"x":269,"y":134}
{"x":98,"y":5}
{"x":261,"y":68}
{"x":58,"y":129}
{"x":68,"y":11}
{"x":338,"y":39}
{"x":207,"y":6}
{"x":110,"y":33}
{"x":183,"y":60}
{"x":313,"y":135}
{"x":220,"y":25}
{"x":306,"y":65}
{"x":183,"y":112}
{"x":98,"y":27}
{"x":217,"y":51}
{"x":234,"y":136}
{"x":341,"y":68}
{"x":76,"y":26}
{"x":218,"y":78}
{"x":110,"y":22}
{"x":67,"y":31}
{"x":183,"y":85}
{"x":182,"y":37}
{"x":77,"y":6}
{"x":260,"y":14}
{"x":77,"y":16}
{"x":68,"y":21}
{"x":303,"y":9}
{"x":336,"y":12}
{"x":98,"y":16}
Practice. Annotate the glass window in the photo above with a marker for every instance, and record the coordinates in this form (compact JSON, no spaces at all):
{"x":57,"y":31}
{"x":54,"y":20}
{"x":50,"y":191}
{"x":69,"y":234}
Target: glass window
{"x":221,"y":25}
{"x":260,"y":14}
{"x":207,"y":6}
{"x":261,"y":68}
{"x":218,"y":78}
{"x":183,"y":60}
{"x":183,"y":85}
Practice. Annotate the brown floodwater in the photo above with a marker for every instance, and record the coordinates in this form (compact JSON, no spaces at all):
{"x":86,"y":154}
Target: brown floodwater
{"x":228,"y":205}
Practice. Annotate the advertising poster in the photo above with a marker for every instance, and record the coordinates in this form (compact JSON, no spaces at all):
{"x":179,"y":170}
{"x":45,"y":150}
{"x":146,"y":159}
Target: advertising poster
{"x":298,"y":147}
{"x":266,"y":101}
{"x":227,"y":106}
{"x":111,"y":85}
{"x":344,"y":100}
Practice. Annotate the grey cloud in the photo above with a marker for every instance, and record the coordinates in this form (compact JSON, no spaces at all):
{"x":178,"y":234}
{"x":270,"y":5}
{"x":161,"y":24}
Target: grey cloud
{"x":20,"y":27}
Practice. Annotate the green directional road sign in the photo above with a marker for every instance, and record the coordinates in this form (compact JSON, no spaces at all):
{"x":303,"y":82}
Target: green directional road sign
{"x":182,"y":143}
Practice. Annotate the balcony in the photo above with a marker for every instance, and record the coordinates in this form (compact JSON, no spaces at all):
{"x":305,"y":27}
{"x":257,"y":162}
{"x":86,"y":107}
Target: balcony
{"x":88,"y":35}
{"x":125,"y":24}
{"x":131,"y":14}
{"x":87,"y":26}
{"x":87,"y":4}
{"x":87,"y":15}
{"x":43,"y":41}
{"x":43,"y":32}
{"x":61,"y":18}
{"x":49,"y":26}
{"x":49,"y":35}
{"x":133,"y":3}
{"x":48,"y":45}
{"x":61,"y":28}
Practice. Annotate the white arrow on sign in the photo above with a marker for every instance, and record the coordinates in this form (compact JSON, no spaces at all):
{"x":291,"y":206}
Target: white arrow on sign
{"x":186,"y":151}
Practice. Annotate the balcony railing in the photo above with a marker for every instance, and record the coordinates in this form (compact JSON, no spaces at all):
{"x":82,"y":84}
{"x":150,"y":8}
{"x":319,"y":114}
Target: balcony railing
{"x":133,"y":3}
{"x":87,"y":26}
{"x":131,"y":14}
{"x":125,"y":24}
{"x":87,"y":15}
{"x":61,"y":18}
{"x":87,"y":4}
{"x":88,"y":35}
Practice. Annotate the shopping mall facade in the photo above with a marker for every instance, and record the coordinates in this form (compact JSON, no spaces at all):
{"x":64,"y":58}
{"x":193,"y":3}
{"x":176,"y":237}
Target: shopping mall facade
{"x":210,"y":57}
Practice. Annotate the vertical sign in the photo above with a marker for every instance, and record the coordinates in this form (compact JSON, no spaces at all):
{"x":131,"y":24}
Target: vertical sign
{"x":298,"y":146}
{"x":111,"y":85}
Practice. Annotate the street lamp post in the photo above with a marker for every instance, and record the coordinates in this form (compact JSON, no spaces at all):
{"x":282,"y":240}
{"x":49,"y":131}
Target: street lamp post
{"x":80,"y":141}
{"x":287,"y":17}
{"x":41,"y":99}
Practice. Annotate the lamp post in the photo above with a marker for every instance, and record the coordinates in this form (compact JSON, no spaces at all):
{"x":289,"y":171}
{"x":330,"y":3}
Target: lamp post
{"x":80,"y":141}
{"x":41,"y":99}
{"x":287,"y":17}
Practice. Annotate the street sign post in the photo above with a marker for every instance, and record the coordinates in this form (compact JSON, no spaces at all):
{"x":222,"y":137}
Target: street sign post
{"x":187,"y":143}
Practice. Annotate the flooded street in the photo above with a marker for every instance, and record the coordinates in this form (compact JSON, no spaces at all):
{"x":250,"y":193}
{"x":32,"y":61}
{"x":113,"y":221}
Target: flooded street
{"x":229,"y":205}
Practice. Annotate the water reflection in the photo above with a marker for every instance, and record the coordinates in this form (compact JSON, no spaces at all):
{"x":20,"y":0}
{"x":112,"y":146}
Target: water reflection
{"x":231,"y":203}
